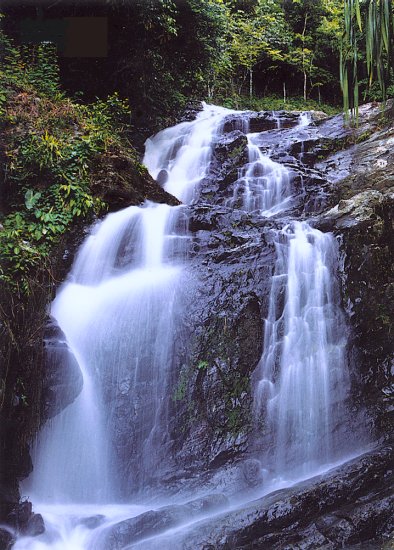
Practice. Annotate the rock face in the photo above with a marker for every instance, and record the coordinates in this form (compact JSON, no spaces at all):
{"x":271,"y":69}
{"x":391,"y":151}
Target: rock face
{"x":363,"y":217}
{"x":232,"y":258}
{"x":6,"y":539}
{"x":327,"y":512}
{"x":120,"y":181}
{"x":62,"y":380}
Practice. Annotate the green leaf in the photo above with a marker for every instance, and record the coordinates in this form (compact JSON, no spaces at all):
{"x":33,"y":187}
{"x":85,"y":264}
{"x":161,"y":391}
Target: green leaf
{"x":358,"y":14}
{"x":31,"y":198}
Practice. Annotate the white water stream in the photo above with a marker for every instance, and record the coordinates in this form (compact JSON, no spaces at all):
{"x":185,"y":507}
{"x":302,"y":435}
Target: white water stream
{"x":118,"y":310}
{"x":303,"y":377}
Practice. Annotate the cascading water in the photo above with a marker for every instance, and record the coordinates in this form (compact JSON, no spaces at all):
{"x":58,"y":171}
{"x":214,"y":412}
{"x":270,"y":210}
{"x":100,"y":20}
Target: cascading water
{"x":302,"y":374}
{"x":117,"y":305}
{"x":302,"y":378}
{"x":264,"y":183}
{"x":119,"y":311}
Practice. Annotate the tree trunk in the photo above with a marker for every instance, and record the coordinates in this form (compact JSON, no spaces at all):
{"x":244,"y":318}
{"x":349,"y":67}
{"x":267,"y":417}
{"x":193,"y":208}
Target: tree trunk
{"x":210,"y":89}
{"x":303,"y":52}
{"x":284,"y":93}
{"x":250,"y":83}
{"x":304,"y":86}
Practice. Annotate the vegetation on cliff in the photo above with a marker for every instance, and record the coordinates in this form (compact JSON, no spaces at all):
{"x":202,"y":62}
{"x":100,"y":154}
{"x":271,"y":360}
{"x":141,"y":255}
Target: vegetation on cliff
{"x":50,"y":146}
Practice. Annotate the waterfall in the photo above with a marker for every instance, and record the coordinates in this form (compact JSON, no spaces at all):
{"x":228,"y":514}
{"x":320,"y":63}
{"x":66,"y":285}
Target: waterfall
{"x":179,"y":157}
{"x":302,"y":379}
{"x":302,"y":374}
{"x":266,"y":183}
{"x":120,"y":308}
{"x":118,"y":311}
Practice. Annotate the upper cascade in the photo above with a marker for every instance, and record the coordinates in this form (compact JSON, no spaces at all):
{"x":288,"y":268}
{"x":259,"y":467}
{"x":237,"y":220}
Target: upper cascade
{"x":178,"y":157}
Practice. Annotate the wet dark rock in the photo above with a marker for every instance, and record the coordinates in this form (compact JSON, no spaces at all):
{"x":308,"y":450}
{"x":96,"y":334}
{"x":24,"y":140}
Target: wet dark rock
{"x":311,"y":149}
{"x":93,"y":522}
{"x":15,"y":465}
{"x":230,"y":145}
{"x":229,"y":155}
{"x":363,"y":218}
{"x":191,"y":111}
{"x":35,"y":526}
{"x":366,"y":166}
{"x":314,"y":193}
{"x":121,"y":181}
{"x":162,"y":177}
{"x":349,"y":505}
{"x":260,"y":122}
{"x":358,"y":210}
{"x":231,"y":259}
{"x":215,"y":407}
{"x":235,"y":122}
{"x":252,"y":471}
{"x":156,"y":521}
{"x":267,"y":120}
{"x":297,"y":148}
{"x":20,"y":515}
{"x":6,"y":539}
{"x":368,"y":294}
{"x":24,"y":521}
{"x":62,"y":382}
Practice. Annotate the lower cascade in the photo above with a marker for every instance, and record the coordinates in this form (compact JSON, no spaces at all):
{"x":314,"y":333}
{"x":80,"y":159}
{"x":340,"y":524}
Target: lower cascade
{"x":128,"y":316}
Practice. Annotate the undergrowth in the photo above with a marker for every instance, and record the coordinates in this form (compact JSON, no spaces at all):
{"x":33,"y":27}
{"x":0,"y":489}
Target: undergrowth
{"x":49,"y":146}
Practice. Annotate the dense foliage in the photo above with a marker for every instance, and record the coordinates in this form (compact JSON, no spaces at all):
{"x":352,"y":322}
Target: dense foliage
{"x":161,"y":53}
{"x":224,"y":50}
{"x":49,"y":146}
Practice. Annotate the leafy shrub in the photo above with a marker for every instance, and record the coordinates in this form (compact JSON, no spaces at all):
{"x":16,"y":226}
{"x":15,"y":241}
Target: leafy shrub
{"x":51,"y":144}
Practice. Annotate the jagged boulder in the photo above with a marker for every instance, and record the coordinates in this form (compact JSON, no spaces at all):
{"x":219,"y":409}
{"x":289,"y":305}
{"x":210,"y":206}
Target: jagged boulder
{"x":121,"y":181}
{"x":6,"y":539}
{"x":190,"y":111}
